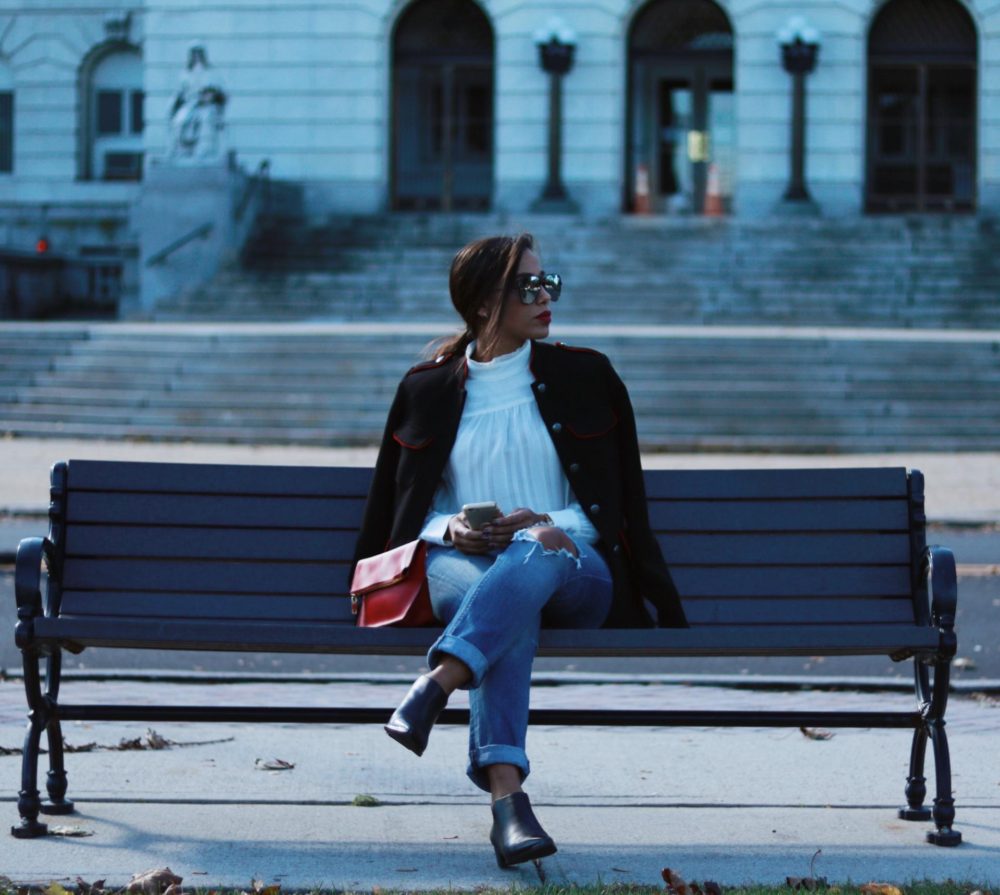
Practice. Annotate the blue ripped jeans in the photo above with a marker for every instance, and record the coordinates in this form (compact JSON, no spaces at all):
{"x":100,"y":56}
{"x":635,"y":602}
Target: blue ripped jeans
{"x":493,"y":606}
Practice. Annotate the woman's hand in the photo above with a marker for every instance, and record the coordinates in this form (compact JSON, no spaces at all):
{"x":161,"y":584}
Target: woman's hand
{"x":502,"y":529}
{"x":496,"y":534}
{"x":465,"y":539}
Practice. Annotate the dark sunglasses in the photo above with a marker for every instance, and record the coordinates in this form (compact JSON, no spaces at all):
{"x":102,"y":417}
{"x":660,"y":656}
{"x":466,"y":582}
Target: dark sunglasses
{"x":528,"y":286}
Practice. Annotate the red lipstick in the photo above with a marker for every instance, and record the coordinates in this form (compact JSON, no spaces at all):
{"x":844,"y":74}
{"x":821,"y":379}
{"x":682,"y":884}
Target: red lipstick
{"x":544,"y":317}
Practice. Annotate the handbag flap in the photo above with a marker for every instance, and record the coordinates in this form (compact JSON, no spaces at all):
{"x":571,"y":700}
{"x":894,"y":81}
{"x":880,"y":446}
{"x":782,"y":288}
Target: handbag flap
{"x":384,"y":569}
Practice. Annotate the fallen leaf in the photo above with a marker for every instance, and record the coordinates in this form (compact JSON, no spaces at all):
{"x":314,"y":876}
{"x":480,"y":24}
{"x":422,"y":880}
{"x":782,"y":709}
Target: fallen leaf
{"x":880,"y":889}
{"x":85,"y":888}
{"x":274,"y":764}
{"x":675,"y":883}
{"x":363,"y":800}
{"x":153,"y":882}
{"x":69,"y":831}
{"x":155,"y":741}
{"x":817,"y":733}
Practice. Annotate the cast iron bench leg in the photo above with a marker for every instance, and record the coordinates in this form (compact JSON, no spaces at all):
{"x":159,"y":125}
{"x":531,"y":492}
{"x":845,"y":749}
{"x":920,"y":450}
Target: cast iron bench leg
{"x":56,"y":782}
{"x":932,"y":706}
{"x":916,"y":783}
{"x":944,"y":804}
{"x":28,"y":803}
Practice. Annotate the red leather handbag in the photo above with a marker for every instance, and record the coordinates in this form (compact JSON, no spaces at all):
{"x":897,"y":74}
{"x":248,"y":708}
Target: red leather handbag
{"x":391,"y":589}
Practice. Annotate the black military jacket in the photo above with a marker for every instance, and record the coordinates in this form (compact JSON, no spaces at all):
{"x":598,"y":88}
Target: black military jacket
{"x":589,"y":416}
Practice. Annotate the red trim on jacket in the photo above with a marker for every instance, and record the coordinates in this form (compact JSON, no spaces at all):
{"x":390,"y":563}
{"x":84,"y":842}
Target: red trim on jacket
{"x":594,"y":434}
{"x":412,"y":447}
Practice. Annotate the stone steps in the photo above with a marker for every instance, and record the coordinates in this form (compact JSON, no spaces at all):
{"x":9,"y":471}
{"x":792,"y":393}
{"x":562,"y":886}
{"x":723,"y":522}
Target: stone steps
{"x":901,"y":272}
{"x":696,"y":390}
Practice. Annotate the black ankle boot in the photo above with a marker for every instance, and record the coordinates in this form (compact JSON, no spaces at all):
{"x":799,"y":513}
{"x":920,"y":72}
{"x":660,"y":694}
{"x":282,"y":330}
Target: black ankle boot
{"x":411,"y":723}
{"x":517,"y":835}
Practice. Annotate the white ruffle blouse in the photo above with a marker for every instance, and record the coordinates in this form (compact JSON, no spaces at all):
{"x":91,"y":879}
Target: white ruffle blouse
{"x":502,"y":452}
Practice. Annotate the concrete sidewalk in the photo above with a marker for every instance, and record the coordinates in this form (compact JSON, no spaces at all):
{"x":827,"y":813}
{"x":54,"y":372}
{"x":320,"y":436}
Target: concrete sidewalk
{"x":735,"y":806}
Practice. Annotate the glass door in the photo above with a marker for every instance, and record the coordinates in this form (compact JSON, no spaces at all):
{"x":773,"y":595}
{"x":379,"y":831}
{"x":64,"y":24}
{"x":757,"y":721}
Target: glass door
{"x":921,"y":138}
{"x":684,"y":141}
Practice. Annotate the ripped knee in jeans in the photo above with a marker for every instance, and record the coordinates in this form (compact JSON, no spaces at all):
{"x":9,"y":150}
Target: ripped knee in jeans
{"x":553,"y":541}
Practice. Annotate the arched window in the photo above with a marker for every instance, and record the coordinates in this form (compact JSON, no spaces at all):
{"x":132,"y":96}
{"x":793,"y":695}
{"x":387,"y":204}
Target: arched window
{"x":680,"y":135}
{"x":442,"y":107}
{"x":922,"y":107}
{"x":6,"y":119}
{"x":112,"y":105}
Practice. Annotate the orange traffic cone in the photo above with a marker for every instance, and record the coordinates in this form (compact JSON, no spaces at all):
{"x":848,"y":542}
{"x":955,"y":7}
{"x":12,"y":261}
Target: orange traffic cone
{"x":642,"y":190}
{"x":713,"y":192}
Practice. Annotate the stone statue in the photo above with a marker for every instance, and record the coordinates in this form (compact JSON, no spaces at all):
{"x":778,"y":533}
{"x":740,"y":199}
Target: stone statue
{"x":196,"y":122}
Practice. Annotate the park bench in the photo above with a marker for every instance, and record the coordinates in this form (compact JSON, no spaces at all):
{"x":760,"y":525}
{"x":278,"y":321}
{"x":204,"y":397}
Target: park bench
{"x":784,"y":562}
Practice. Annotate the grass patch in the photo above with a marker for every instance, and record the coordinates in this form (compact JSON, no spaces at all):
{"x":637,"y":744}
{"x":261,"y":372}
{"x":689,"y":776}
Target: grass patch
{"x":923,"y":887}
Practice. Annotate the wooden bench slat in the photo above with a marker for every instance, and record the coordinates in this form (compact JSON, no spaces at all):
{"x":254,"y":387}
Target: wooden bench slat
{"x":210,"y":478}
{"x":345,"y":512}
{"x":310,"y":545}
{"x":782,"y":549}
{"x":199,"y":510}
{"x":779,"y":515}
{"x":748,"y":484}
{"x":305,"y":480}
{"x":790,"y":581}
{"x":202,"y":575}
{"x":331,"y":578}
{"x":321,"y":545}
{"x":776,"y":640}
{"x":336,"y":609}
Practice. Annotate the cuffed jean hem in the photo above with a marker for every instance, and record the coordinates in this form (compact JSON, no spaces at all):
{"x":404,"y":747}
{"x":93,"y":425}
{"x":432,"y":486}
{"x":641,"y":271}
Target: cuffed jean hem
{"x":480,"y":759}
{"x":463,"y":650}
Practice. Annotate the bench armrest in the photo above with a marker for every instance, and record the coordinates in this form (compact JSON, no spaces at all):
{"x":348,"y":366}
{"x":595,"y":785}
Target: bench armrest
{"x":28,"y":586}
{"x":942,"y":579}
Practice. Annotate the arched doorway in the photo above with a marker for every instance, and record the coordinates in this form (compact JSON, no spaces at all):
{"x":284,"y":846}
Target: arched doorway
{"x":681,"y":117}
{"x":112,"y":97}
{"x":921,"y":108}
{"x":442,"y":107}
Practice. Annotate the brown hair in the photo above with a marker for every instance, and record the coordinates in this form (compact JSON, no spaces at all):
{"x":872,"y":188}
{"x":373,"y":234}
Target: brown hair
{"x":482,"y":273}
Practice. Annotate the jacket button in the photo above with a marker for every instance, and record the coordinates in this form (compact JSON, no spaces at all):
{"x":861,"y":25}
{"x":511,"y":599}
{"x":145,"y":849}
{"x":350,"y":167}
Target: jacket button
{"x":574,"y":467}
{"x":557,"y":427}
{"x":616,"y":549}
{"x":541,"y":386}
{"x":595,"y":508}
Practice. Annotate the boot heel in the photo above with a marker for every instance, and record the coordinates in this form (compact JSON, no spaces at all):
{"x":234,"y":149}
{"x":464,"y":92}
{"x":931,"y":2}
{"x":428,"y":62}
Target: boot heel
{"x":411,"y":723}
{"x":517,"y":836}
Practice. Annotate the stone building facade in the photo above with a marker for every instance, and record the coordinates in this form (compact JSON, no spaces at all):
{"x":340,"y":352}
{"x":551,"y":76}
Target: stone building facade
{"x":675,"y":107}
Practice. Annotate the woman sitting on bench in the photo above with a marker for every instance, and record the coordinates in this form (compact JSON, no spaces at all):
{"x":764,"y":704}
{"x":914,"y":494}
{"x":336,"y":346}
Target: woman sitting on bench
{"x":541,"y":437}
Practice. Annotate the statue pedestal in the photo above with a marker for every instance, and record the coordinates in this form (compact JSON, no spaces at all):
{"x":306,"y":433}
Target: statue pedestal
{"x":188,"y":226}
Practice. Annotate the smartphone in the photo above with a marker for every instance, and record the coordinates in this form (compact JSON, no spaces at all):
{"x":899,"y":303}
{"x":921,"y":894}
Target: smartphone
{"x":478,"y":514}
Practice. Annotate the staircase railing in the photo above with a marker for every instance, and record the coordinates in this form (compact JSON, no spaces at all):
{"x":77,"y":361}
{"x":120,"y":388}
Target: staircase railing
{"x":261,"y":176}
{"x":199,"y":232}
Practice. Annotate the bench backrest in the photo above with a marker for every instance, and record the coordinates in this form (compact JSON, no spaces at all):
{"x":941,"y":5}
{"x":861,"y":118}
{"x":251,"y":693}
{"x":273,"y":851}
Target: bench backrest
{"x":753,"y":547}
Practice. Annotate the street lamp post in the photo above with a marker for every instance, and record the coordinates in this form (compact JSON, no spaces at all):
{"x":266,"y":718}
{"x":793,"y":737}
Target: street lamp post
{"x":556,"y":44}
{"x":799,"y":50}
